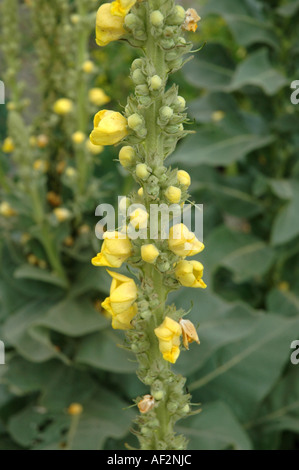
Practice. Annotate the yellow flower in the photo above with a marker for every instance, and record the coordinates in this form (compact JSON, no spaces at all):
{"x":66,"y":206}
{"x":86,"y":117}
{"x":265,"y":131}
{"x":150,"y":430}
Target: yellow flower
{"x":88,"y":66}
{"x":182,"y":242}
{"x":149,"y":253}
{"x":184,"y":178}
{"x":122,"y":7}
{"x":6,"y":210}
{"x":62,"y":214}
{"x":110,"y":128}
{"x":8,"y":145}
{"x":126,"y":156}
{"x":94,"y":149}
{"x":169,"y":333}
{"x":75,"y":409}
{"x":190,"y":273}
{"x":189,"y":332}
{"x":191,"y":20}
{"x":63,"y":106}
{"x":41,"y":165}
{"x":121,"y":304}
{"x":98,"y":96}
{"x":78,"y":137}
{"x":139,"y":218}
{"x":173,"y":194}
{"x":115,"y":251}
{"x":109,"y":27}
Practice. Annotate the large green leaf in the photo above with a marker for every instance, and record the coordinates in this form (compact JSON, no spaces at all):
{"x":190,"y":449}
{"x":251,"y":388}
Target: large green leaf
{"x":246,"y":28}
{"x":243,"y":254}
{"x":242,"y":374}
{"x":286,"y":224}
{"x":220,"y":324}
{"x":215,"y":428}
{"x":257,"y":70}
{"x":283,"y":302}
{"x":102,"y":350}
{"x":216,"y":146}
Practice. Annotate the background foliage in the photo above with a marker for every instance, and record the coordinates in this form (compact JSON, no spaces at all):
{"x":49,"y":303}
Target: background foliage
{"x":243,"y":161}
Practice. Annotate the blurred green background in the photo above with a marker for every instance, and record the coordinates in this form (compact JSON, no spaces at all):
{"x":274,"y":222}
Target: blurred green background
{"x":244,"y":165}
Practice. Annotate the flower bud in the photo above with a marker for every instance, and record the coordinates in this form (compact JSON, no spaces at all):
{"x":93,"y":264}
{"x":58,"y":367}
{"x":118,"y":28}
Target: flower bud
{"x":173,"y":194}
{"x":155,"y":83}
{"x":159,"y":395}
{"x":135,"y":121}
{"x":149,"y":253}
{"x":142,"y":171}
{"x":180,"y":103}
{"x":178,"y":16}
{"x":62,"y":214}
{"x":6,"y":210}
{"x":138,"y":77}
{"x":127,"y":156}
{"x":131,"y":21}
{"x":136,"y":64}
{"x":184,"y":178}
{"x":98,"y":97}
{"x":166,"y":113}
{"x":42,"y":141}
{"x":75,"y":409}
{"x":71,"y":173}
{"x":140,"y":192}
{"x":8,"y":145}
{"x":88,"y":66}
{"x":157,"y":19}
{"x":142,"y":90}
{"x":63,"y":106}
{"x":78,"y":137}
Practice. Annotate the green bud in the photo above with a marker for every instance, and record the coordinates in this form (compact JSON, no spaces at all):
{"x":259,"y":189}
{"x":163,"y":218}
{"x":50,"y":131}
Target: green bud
{"x":178,"y":16}
{"x":155,"y":83}
{"x":138,"y":77}
{"x":172,"y":407}
{"x":142,"y":90}
{"x":166,"y":113}
{"x":180,"y":103}
{"x":131,"y":20}
{"x":157,"y":19}
{"x":142,"y":171}
{"x":135,"y":121}
{"x":186,"y":409}
{"x":146,"y":431}
{"x":144,"y":100}
{"x":171,"y":55}
{"x":158,"y":395}
{"x":137,"y":64}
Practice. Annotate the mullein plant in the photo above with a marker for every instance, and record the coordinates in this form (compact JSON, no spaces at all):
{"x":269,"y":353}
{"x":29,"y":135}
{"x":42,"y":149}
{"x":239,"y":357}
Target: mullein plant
{"x":46,"y":167}
{"x":149,"y":129}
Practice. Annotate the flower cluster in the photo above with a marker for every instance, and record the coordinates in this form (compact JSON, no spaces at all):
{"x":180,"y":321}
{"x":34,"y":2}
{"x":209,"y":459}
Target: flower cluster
{"x":149,"y":130}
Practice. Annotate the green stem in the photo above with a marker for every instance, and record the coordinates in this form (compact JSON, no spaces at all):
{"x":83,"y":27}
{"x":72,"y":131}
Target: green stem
{"x":82,"y":117}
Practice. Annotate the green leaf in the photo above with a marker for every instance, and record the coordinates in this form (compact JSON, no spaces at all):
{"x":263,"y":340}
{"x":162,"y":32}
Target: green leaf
{"x":216,"y":146}
{"x":286,"y":224}
{"x":101,"y":350}
{"x":220,"y":324}
{"x":17,"y":332}
{"x":283,"y":302}
{"x":243,"y":374}
{"x":246,"y":28}
{"x":213,"y":69}
{"x":256,"y":70}
{"x":215,"y":428}
{"x":31,"y":272}
{"x":243,"y":254}
{"x":288,"y":10}
{"x":73,"y":318}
